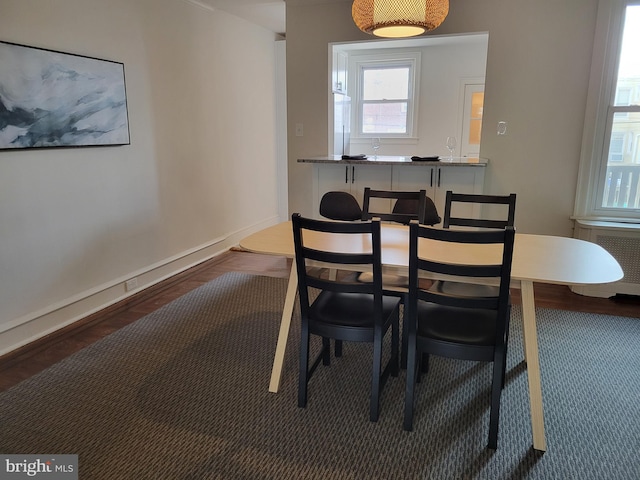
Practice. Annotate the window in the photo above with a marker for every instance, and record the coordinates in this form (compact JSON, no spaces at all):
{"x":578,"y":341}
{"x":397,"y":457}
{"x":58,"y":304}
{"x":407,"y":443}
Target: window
{"x":385,"y":99}
{"x":615,"y":147}
{"x":386,"y":96}
{"x":609,"y":183}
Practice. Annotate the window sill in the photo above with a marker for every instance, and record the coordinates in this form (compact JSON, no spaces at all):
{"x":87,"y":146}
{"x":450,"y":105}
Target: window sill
{"x":385,"y":140}
{"x":631,"y":225}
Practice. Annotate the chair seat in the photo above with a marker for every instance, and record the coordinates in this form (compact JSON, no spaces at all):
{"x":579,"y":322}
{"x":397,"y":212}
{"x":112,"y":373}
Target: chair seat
{"x":388,"y":280}
{"x":458,"y":325}
{"x":349,"y":309}
{"x":465,"y":289}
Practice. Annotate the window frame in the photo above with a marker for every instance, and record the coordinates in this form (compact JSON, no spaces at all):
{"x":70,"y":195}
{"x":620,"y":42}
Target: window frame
{"x":358,"y":65}
{"x":599,"y":115}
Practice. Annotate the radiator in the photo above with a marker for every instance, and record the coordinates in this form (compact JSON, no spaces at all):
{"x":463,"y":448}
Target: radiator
{"x":622,"y":240}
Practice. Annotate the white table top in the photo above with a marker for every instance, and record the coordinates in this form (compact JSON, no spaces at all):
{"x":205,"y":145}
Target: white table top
{"x":537,"y":258}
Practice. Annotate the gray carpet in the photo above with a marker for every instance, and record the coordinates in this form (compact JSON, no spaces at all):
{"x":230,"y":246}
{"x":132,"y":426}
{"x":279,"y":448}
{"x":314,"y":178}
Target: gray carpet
{"x":182,"y":394}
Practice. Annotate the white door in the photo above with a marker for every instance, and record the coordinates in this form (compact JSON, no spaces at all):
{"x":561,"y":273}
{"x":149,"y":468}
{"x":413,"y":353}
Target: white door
{"x":472,"y":119}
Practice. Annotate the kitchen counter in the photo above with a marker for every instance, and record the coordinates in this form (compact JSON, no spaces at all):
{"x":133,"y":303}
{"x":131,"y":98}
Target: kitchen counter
{"x":396,"y":160}
{"x":399,"y":173}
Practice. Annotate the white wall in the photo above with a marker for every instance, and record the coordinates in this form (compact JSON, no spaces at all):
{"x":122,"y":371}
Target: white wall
{"x":199,"y":174}
{"x":537,"y":77}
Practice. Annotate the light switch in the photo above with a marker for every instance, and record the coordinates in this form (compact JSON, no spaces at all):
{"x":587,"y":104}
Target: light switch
{"x":299,"y":130}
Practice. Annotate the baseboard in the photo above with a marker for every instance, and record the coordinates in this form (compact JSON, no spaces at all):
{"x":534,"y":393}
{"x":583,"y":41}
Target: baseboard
{"x":36,"y":325}
{"x":30,"y":349}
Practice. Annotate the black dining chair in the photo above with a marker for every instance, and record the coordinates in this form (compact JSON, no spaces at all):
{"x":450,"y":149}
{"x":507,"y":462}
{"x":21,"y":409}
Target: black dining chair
{"x":452,"y":200}
{"x":343,"y":310}
{"x":461,"y":327}
{"x":411,"y":206}
{"x":502,"y":218}
{"x":341,"y":206}
{"x":337,"y":205}
{"x":407,"y":206}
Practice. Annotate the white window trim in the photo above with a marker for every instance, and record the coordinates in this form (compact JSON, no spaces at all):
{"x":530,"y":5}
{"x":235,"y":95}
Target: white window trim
{"x":355,"y":64}
{"x":595,"y":137}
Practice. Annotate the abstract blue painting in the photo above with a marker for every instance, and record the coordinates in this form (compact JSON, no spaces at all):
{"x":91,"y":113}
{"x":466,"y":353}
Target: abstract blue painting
{"x":55,"y":99}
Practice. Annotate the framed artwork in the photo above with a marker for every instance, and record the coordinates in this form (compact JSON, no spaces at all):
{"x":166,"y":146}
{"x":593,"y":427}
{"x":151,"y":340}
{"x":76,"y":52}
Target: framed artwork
{"x":54,"y":99}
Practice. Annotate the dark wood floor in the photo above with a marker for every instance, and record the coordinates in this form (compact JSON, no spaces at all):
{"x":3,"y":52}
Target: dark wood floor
{"x":31,"y":359}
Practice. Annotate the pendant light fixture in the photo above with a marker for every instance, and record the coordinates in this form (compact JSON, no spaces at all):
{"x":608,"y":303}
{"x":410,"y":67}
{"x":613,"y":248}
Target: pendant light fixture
{"x":399,"y":18}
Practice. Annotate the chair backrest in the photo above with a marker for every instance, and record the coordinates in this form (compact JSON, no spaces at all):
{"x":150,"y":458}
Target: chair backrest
{"x":340,"y":206}
{"x":408,"y":206}
{"x":465,"y":198}
{"x":494,"y":269}
{"x":311,"y":246}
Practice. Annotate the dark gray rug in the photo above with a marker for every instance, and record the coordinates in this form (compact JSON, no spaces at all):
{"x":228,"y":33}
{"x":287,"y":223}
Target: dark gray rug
{"x":183,"y":394}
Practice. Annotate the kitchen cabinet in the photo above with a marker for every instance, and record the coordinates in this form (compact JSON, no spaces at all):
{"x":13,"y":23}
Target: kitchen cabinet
{"x":437,"y":179}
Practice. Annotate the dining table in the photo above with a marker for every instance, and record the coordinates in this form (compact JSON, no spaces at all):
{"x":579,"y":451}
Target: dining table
{"x":536,"y":258}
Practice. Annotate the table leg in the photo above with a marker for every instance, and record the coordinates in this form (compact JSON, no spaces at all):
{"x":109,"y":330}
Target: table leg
{"x":533,"y":365}
{"x":285,"y":324}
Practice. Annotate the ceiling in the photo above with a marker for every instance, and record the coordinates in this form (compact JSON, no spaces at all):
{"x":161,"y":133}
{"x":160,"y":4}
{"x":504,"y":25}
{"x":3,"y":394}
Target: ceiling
{"x":269,"y":14}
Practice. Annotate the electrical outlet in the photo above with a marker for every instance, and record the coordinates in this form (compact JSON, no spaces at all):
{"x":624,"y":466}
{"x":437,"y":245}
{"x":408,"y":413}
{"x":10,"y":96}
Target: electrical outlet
{"x":131,"y":284}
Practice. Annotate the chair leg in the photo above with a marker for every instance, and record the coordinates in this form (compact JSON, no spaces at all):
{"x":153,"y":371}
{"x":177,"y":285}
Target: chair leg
{"x":303,"y":375}
{"x":395,"y":340}
{"x":496,"y":392}
{"x":506,"y":343}
{"x":326,"y":351}
{"x":338,"y":348}
{"x":423,"y":359}
{"x":374,"y":402}
{"x":424,"y":365}
{"x":405,"y":341}
{"x":333,"y":274}
{"x":405,"y":332}
{"x":412,"y":374}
